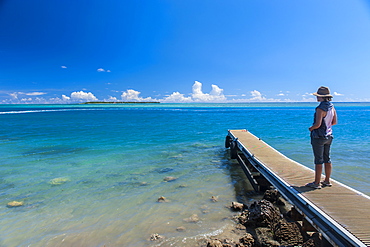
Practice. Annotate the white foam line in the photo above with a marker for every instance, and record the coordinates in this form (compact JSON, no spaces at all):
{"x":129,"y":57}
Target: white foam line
{"x":38,"y":111}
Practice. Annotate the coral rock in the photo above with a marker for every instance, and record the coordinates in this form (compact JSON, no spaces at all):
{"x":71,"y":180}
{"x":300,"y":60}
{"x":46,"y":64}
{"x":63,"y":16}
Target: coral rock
{"x":288,"y":233}
{"x":169,"y":179}
{"x":214,"y":243}
{"x":162,"y":199}
{"x":271,"y":195}
{"x":236,"y":206}
{"x":155,"y":237}
{"x":58,"y":181}
{"x":247,"y":240}
{"x":180,"y":229}
{"x":314,"y":241}
{"x":15,"y":204}
{"x":265,"y":237}
{"x":263,"y":213}
{"x":192,"y":219}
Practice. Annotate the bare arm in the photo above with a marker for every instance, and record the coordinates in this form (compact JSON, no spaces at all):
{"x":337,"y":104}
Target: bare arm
{"x":319,"y":115}
{"x":335,"y":120}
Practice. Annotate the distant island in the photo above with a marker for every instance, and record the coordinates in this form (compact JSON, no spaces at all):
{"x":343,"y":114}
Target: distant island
{"x":120,"y":102}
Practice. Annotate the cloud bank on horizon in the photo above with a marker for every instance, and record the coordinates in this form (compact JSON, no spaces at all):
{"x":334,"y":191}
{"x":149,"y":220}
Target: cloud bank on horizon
{"x":216,"y":95}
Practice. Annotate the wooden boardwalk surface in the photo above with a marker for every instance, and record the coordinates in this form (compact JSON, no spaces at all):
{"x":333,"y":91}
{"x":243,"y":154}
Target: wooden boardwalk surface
{"x":343,"y":205}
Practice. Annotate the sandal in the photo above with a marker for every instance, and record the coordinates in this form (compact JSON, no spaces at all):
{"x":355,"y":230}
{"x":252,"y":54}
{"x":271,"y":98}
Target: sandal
{"x":313,"y":185}
{"x":326,"y":184}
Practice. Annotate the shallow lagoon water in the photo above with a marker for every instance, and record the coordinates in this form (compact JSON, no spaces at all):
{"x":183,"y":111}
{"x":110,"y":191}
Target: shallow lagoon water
{"x":112,"y":161}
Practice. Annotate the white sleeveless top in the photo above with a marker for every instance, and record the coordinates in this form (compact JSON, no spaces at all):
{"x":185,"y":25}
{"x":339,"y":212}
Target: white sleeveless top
{"x":328,"y":121}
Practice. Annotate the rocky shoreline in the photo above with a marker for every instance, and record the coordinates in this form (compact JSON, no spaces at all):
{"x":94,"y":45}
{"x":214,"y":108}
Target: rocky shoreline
{"x":266,"y":222}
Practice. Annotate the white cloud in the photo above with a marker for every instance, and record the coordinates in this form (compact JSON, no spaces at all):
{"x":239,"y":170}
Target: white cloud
{"x":35,"y":93}
{"x":281,"y":93}
{"x":177,"y":97}
{"x":216,"y":94}
{"x":338,"y":94}
{"x":83,"y":96}
{"x":26,"y":99}
{"x":14,"y":95}
{"x":257,"y":96}
{"x":55,"y":100}
{"x":131,"y":95}
{"x":197,"y":95}
{"x":308,"y":97}
{"x":216,"y":91}
{"x":111,"y":99}
{"x":63,"y":67}
{"x":65,"y":98}
{"x":103,"y":70}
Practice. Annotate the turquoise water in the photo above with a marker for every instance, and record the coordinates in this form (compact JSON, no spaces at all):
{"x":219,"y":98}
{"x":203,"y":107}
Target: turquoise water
{"x":90,"y":175}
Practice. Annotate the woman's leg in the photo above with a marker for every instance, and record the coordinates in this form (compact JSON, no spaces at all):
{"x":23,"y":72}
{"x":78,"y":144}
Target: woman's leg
{"x":327,"y":161}
{"x":318,"y":151}
{"x":318,"y":172}
{"x":328,"y":168}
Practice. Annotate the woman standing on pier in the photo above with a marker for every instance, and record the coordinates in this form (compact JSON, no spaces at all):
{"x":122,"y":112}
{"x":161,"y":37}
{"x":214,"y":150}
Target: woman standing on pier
{"x":322,"y":136}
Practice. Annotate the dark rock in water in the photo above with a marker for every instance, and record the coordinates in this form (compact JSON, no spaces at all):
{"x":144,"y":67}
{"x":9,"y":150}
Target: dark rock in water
{"x":214,"y":243}
{"x":240,"y":227}
{"x":205,"y":209}
{"x":314,"y":241}
{"x":155,"y":237}
{"x":228,"y":243}
{"x":262,"y":225}
{"x":180,"y":229}
{"x":123,"y":183}
{"x":221,"y":243}
{"x":139,"y":183}
{"x":265,"y":237}
{"x":294,"y":214}
{"x":4,"y":185}
{"x":169,"y":179}
{"x":243,"y":218}
{"x":164,"y":170}
{"x":271,"y":195}
{"x":247,"y":240}
{"x":288,"y":233}
{"x":85,"y":182}
{"x":192,"y":219}
{"x":263,"y":213}
{"x":162,"y":199}
{"x":214,"y":199}
{"x":236,"y":206}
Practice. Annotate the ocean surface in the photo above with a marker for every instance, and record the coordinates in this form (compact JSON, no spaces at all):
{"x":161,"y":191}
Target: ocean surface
{"x":91,"y":175}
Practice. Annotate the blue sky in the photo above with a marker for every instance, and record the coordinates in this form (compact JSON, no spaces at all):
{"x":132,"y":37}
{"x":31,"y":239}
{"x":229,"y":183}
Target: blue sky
{"x":183,"y":50}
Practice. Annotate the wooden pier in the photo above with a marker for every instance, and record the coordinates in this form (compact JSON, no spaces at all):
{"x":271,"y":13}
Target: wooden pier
{"x":340,"y":213}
